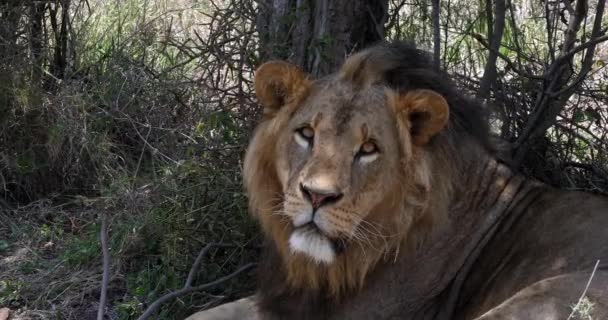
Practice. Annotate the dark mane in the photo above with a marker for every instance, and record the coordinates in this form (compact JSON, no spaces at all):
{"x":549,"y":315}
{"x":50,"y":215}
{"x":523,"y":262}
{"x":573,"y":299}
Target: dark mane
{"x":278,"y":301}
{"x":401,"y":66}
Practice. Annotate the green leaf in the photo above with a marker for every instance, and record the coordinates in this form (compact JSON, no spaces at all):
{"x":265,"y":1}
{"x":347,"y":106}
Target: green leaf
{"x":4,"y":245}
{"x":579,"y":116}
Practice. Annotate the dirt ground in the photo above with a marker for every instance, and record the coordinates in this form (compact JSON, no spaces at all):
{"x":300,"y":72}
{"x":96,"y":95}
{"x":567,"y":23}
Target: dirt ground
{"x":51,"y":261}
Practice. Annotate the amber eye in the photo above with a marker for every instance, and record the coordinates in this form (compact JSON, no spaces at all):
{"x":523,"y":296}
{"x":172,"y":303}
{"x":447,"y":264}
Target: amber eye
{"x":307,"y":133}
{"x":368,"y":148}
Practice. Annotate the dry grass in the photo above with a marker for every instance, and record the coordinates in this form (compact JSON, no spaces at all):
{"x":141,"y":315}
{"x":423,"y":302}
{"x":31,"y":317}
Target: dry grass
{"x":52,"y":257}
{"x":147,"y":126}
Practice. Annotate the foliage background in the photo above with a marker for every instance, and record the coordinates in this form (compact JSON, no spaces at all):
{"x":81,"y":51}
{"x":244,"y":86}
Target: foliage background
{"x":140,"y":110}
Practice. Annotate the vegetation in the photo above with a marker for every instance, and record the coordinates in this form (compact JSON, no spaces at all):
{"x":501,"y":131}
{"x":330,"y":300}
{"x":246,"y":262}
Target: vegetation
{"x":140,"y":111}
{"x":132,"y":127}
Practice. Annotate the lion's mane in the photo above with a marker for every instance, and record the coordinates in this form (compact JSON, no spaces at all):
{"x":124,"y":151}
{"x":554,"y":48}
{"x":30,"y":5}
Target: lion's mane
{"x":291,"y":285}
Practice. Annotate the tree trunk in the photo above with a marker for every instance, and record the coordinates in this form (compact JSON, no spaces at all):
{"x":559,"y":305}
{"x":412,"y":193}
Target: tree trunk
{"x":57,"y":68}
{"x":496,"y":26}
{"x":37,"y":42}
{"x":318,"y":34}
{"x":436,"y":34}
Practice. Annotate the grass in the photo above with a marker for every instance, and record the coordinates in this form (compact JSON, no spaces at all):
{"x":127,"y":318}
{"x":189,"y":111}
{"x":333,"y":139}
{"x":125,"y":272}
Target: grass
{"x":583,"y":310}
{"x":51,"y":260}
{"x":140,"y":131}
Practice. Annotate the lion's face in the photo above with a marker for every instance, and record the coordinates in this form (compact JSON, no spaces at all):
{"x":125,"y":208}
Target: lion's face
{"x":337,"y":166}
{"x":336,"y":160}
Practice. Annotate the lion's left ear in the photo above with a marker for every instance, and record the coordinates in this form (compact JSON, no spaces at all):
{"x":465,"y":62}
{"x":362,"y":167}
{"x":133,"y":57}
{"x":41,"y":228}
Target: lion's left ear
{"x":426,"y":111}
{"x":276,"y":82}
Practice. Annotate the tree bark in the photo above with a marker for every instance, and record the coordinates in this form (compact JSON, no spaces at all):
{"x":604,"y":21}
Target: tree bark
{"x":36,"y":41}
{"x":495,"y":37}
{"x":436,"y":33}
{"x":317,"y":35}
{"x":57,"y":68}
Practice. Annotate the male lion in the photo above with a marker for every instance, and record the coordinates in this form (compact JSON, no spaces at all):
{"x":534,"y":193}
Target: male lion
{"x":380,"y":198}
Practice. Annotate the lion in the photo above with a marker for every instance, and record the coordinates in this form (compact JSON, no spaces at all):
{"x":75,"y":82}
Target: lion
{"x":380,"y":196}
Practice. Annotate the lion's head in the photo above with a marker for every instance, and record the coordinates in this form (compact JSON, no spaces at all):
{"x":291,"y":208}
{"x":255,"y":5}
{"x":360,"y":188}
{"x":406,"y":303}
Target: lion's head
{"x":346,"y":170}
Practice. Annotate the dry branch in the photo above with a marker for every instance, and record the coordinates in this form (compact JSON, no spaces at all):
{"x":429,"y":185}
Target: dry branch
{"x":106,"y":266}
{"x":504,"y":58}
{"x":188,"y":288}
{"x":580,"y":300}
{"x":547,"y":105}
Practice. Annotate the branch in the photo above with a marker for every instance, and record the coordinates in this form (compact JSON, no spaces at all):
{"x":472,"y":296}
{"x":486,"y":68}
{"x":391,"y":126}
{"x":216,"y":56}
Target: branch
{"x":188,"y":288}
{"x":580,"y":300}
{"x":393,"y":18}
{"x":547,"y":108}
{"x":582,"y":47}
{"x":489,"y":75}
{"x":599,"y":172}
{"x":506,"y":59}
{"x":199,"y":259}
{"x":156,"y":304}
{"x":106,"y":267}
{"x":590,"y":46}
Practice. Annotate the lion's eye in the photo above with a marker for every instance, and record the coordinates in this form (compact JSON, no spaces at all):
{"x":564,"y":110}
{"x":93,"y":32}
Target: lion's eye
{"x":368,"y":148}
{"x":307,"y":132}
{"x":304,"y":136}
{"x":368,"y":152}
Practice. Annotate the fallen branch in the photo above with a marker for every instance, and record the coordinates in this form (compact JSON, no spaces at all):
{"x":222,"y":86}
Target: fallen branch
{"x":188,"y":288}
{"x":580,"y":300}
{"x":106,"y":266}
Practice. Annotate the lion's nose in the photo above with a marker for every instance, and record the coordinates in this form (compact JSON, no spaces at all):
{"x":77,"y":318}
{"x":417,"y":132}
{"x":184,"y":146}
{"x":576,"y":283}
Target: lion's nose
{"x":319,"y":198}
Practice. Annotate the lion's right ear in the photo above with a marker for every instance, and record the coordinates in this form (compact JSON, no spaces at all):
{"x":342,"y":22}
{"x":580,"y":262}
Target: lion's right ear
{"x":276,"y":82}
{"x":426,"y":112}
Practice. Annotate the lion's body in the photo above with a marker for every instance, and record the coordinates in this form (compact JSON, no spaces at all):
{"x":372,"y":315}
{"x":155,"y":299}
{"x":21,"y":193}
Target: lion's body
{"x":557,"y":233}
{"x":523,"y":233}
{"x":376,"y":206}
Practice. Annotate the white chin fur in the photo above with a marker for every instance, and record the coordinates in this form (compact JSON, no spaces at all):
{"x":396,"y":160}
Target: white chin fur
{"x":312,"y":244}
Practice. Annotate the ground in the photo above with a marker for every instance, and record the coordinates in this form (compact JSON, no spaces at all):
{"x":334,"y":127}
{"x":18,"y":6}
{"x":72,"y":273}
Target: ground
{"x":51,"y":262}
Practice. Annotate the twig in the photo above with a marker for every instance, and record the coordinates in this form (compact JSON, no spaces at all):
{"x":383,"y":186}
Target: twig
{"x":188,"y":284}
{"x":198,"y":261}
{"x":580,"y":300}
{"x":586,"y":45}
{"x":506,"y":59}
{"x":141,"y":156}
{"x":106,"y":266}
{"x":156,"y":304}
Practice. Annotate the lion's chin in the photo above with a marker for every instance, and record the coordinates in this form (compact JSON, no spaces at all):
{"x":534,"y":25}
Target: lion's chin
{"x":312,"y":244}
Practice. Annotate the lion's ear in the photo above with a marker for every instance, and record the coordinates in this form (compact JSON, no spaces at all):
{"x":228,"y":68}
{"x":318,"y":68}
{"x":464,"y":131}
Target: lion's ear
{"x":276,"y":82}
{"x":426,"y":111}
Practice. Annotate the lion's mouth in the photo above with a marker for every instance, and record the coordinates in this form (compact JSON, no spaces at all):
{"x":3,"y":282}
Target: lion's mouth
{"x":310,"y":240}
{"x":338,"y":244}
{"x":311,"y":227}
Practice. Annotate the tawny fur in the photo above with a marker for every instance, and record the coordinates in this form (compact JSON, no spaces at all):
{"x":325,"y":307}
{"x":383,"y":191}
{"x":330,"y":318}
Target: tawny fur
{"x":407,"y":214}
